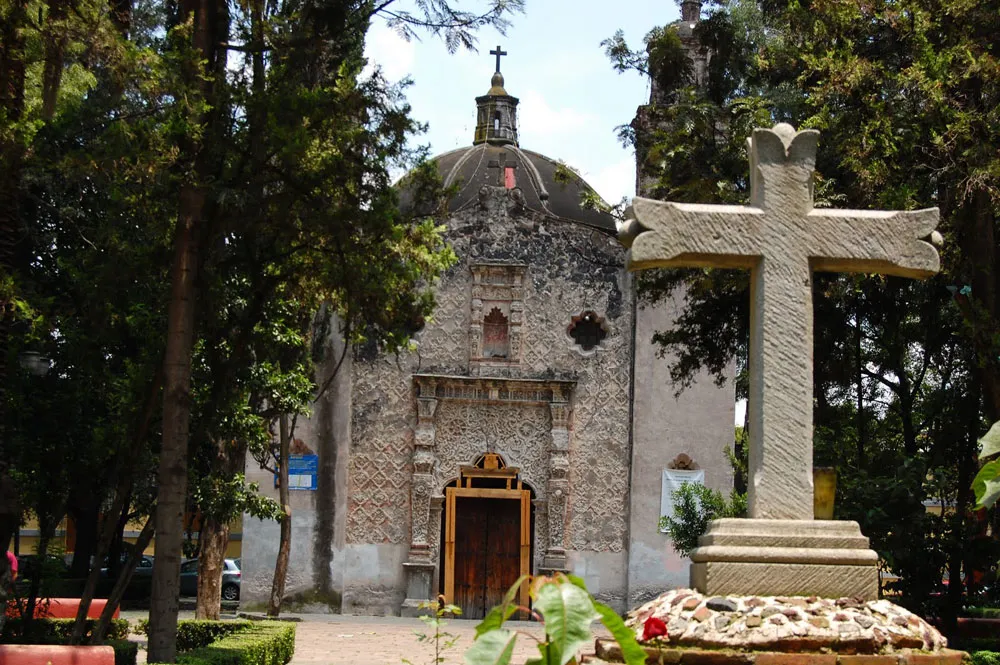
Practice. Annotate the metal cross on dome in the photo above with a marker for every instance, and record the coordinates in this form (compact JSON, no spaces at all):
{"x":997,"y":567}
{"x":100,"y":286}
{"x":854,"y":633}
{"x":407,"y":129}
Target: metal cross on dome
{"x":781,"y":238}
{"x":498,"y":53}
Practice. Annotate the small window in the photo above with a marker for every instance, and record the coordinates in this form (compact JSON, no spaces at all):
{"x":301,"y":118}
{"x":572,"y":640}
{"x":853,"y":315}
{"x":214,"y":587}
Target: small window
{"x":190,"y":567}
{"x":496,"y":121}
{"x":496,"y":335}
{"x":587,"y":330}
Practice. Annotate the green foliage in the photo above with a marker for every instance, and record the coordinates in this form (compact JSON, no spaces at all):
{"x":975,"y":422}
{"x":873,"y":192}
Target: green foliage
{"x":695,"y":505}
{"x":125,"y":651}
{"x":435,"y":621}
{"x":906,"y":374}
{"x":252,"y":643}
{"x":263,"y":643}
{"x":195,"y":634}
{"x":982,"y":612}
{"x":985,"y":657}
{"x":986,"y":484}
{"x":567,"y":610}
{"x":56,"y":631}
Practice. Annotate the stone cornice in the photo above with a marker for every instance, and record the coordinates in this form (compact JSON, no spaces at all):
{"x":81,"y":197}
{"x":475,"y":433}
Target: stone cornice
{"x":493,"y":389}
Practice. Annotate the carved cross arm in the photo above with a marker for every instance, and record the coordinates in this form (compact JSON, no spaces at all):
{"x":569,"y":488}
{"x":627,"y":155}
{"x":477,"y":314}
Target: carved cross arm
{"x":672,"y":235}
{"x":892,"y":243}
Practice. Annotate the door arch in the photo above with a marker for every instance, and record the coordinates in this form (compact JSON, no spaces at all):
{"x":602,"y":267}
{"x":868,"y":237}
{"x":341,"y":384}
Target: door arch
{"x":487,"y":536}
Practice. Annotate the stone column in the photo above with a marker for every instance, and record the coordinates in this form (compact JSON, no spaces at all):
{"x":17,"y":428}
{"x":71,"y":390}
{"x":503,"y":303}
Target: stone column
{"x":419,"y":564}
{"x":558,"y":486}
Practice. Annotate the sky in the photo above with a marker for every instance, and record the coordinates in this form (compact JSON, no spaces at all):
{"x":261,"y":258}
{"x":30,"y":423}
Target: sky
{"x":571,"y":99}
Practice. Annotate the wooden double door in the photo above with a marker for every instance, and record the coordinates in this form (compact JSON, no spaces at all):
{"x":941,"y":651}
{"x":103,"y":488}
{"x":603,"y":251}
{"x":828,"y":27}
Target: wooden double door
{"x":487,"y":546}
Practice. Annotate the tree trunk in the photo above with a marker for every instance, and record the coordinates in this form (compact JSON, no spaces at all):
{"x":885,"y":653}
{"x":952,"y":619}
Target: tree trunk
{"x":55,"y":56}
{"x":116,"y":515}
{"x":86,"y":515}
{"x":859,"y":384}
{"x":210,"y":23}
{"x":172,"y":477}
{"x":13,"y":16}
{"x":213,"y":538}
{"x":124,"y":577}
{"x":285,"y":539}
{"x":45,"y":534}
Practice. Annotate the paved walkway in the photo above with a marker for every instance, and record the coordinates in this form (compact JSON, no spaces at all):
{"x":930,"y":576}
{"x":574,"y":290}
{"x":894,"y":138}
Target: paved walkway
{"x":353,"y":640}
{"x":337,"y":639}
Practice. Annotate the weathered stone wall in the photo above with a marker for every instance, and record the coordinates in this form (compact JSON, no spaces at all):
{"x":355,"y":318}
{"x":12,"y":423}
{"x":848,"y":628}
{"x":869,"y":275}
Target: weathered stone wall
{"x":316,"y":563}
{"x":569,"y":269}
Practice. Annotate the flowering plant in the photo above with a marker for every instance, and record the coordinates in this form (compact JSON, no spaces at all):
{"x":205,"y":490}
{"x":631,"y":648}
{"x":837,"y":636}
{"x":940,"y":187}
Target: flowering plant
{"x":653,"y":628}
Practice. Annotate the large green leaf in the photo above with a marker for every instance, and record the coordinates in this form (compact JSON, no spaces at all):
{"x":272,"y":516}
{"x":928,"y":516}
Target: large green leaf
{"x":495,"y":617}
{"x":568,"y":612}
{"x":492,"y":648}
{"x":986,"y":484}
{"x":625,"y":636}
{"x":990,"y":442}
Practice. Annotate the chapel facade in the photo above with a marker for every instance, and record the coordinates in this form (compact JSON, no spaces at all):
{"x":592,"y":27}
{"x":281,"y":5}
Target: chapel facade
{"x":529,"y":430}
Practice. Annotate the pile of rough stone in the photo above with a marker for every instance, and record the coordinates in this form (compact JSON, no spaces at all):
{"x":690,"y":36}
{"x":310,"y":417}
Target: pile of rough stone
{"x":785,"y":623}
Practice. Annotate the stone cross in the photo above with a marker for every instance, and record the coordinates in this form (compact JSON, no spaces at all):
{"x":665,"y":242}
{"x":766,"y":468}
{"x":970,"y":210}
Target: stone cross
{"x":781,"y":238}
{"x":497,"y":52}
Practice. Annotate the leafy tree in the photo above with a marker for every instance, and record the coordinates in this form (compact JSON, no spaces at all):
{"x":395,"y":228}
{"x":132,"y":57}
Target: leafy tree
{"x":903,"y":92}
{"x":286,"y":163}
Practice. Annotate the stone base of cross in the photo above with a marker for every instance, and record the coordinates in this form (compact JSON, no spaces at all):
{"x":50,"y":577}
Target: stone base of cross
{"x":782,"y":239}
{"x":826,"y":558}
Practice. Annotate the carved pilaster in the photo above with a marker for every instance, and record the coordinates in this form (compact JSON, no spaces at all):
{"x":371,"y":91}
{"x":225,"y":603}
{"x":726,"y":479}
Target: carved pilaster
{"x":558,"y":486}
{"x":419,"y":564}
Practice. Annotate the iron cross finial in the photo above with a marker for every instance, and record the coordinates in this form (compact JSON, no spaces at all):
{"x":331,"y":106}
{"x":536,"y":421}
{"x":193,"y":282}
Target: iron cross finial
{"x":498,"y":53}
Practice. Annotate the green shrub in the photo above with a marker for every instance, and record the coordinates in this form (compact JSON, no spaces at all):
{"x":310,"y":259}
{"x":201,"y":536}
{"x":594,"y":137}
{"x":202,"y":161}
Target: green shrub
{"x":125,"y":651}
{"x":985,"y":657}
{"x":262,"y":643}
{"x":694,"y":507}
{"x":982,"y":612}
{"x":56,"y":631}
{"x":195,"y":633}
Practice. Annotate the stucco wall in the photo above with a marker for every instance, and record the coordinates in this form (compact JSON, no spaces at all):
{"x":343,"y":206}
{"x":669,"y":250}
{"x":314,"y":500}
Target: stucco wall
{"x":698,"y":422}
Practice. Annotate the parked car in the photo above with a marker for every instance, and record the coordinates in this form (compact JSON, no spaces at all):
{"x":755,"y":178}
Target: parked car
{"x":144,"y":568}
{"x":230,"y":578}
{"x":28,"y":565}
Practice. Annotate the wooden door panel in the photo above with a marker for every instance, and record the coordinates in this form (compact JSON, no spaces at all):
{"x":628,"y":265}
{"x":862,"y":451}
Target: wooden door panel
{"x":471,"y":530}
{"x":487,"y":546}
{"x":503,"y":544}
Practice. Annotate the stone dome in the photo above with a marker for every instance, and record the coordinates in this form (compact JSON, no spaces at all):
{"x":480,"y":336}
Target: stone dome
{"x":538,"y":183}
{"x":545,"y":185}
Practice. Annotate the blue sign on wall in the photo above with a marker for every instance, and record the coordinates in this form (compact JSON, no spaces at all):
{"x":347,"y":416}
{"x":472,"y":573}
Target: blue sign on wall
{"x":302,"y":472}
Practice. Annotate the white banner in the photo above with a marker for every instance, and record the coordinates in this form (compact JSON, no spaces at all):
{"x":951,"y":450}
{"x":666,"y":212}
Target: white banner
{"x":672,"y":481}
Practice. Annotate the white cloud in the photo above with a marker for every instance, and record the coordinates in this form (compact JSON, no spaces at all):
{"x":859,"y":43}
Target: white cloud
{"x":385,"y":48}
{"x":614,"y":180}
{"x":538,"y":119}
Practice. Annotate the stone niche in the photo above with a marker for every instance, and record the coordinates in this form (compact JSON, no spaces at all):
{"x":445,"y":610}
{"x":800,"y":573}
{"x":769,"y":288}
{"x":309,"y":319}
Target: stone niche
{"x":526,"y":421}
{"x":497,"y":317}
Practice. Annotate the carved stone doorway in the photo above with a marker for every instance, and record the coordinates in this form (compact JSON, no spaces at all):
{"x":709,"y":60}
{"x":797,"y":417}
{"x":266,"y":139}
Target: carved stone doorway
{"x":487,"y":536}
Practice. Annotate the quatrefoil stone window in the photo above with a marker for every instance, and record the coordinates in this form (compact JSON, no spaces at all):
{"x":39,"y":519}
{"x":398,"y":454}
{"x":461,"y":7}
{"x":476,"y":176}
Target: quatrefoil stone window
{"x":588,"y":330}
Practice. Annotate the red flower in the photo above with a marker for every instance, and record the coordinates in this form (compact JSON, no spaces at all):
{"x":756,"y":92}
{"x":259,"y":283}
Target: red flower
{"x":653,"y":628}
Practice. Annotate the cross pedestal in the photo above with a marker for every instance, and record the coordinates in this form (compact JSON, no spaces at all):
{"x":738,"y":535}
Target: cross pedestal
{"x":781,"y":238}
